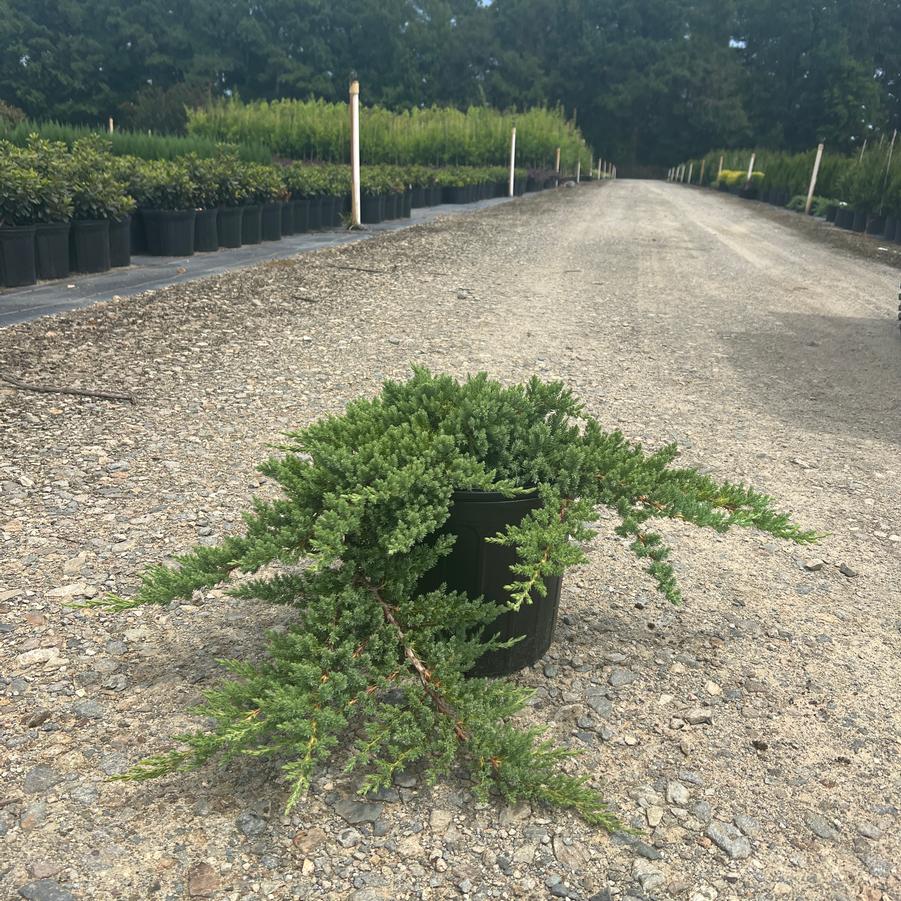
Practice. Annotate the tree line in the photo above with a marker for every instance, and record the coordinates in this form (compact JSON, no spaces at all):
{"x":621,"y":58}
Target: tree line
{"x":648,"y":81}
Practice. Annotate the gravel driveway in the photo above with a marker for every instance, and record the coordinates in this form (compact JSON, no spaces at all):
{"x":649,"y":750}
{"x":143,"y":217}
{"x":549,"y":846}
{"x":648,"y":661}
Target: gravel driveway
{"x":751,"y":734}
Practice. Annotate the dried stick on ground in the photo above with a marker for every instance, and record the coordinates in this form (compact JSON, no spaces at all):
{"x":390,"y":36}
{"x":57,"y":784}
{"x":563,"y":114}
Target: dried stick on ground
{"x":52,"y":389}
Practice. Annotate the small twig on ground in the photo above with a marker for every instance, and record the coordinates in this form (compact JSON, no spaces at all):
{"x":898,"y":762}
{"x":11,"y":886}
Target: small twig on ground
{"x":53,"y":389}
{"x":359,"y":269}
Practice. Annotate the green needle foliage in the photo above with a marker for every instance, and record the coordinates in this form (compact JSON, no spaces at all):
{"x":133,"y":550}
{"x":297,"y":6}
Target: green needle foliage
{"x":371,"y":657}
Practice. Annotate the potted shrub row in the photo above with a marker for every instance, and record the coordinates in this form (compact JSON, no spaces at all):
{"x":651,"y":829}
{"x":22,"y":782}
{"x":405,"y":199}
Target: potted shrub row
{"x":60,"y":211}
{"x":420,"y":542}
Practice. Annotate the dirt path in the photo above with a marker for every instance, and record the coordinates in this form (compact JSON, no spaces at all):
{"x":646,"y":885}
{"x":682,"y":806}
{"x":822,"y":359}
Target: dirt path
{"x":676,"y":314}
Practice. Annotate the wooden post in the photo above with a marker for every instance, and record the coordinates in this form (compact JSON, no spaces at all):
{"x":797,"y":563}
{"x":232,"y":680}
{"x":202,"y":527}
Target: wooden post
{"x":557,"y":167}
{"x":701,"y":176}
{"x":813,"y":179}
{"x":751,"y":168}
{"x":355,"y":154}
{"x":888,"y":166}
{"x":512,"y":161}
{"x":578,"y":171}
{"x":862,"y":149}
{"x":691,"y":169}
{"x":719,"y":171}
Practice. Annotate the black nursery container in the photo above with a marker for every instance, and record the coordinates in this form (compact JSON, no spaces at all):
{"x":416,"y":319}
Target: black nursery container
{"x":51,"y":244}
{"x":230,"y":225}
{"x":170,"y":233}
{"x":206,"y":231}
{"x":301,"y":215}
{"x":89,"y":245}
{"x":830,"y":213}
{"x":138,"y":239}
{"x":875,"y":225}
{"x":252,"y":224}
{"x":844,"y":217}
{"x":271,"y":222}
{"x":17,"y":266}
{"x":372,"y":209}
{"x":314,"y":214}
{"x":407,"y":204}
{"x":418,"y":198}
{"x":478,"y":568}
{"x":120,"y":242}
{"x":859,"y":223}
{"x":287,"y":218}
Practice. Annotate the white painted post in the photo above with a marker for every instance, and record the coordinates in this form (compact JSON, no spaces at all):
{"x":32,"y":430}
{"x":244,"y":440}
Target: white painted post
{"x":512,"y":161}
{"x":691,"y":169}
{"x":750,"y":168}
{"x":355,"y":154}
{"x":813,"y":179}
{"x":112,"y":125}
{"x":888,"y":166}
{"x":578,"y":171}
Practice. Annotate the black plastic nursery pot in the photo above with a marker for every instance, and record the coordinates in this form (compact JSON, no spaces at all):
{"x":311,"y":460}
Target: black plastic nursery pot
{"x":271,"y":221}
{"x":331,"y":211}
{"x":89,"y":245}
{"x":301,"y":215}
{"x":51,"y":247}
{"x":287,"y":218}
{"x":478,"y":568}
{"x":888,"y":230}
{"x":417,"y":198}
{"x":844,"y":217}
{"x":314,"y":219}
{"x":138,"y":237}
{"x":252,"y":224}
{"x":875,"y":224}
{"x":17,"y":266}
{"x":170,"y":233}
{"x":455,"y":194}
{"x":120,"y":242}
{"x":435,"y":195}
{"x":229,"y":225}
{"x":830,"y":213}
{"x":859,"y":222}
{"x":206,"y":231}
{"x":372,"y":209}
{"x":407,"y":204}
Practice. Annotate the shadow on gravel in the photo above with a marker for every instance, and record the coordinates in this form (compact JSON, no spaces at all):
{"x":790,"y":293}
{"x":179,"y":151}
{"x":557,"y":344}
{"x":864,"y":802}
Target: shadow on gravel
{"x":838,"y":375}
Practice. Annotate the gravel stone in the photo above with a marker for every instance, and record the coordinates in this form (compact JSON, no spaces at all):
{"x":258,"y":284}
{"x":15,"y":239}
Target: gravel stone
{"x":45,"y":890}
{"x":354,"y":811}
{"x":729,"y":839}
{"x":678,"y":794}
{"x":40,"y":779}
{"x":820,"y":826}
{"x":250,"y":824}
{"x":748,"y":825}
